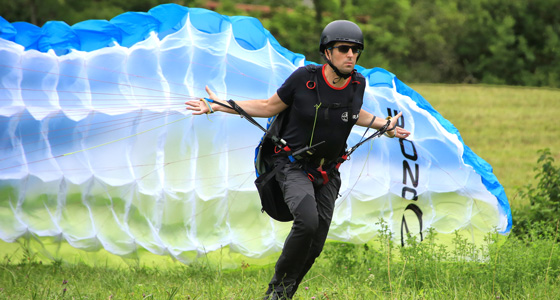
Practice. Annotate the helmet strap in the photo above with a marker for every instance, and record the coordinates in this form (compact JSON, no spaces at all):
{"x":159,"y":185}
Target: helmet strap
{"x":337,"y":72}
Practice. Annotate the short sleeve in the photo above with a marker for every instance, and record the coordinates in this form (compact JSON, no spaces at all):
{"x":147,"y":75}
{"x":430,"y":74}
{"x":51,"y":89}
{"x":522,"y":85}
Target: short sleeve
{"x":287,"y":91}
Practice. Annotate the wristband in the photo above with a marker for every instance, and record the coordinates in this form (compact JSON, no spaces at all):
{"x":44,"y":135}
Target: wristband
{"x":394,"y":128}
{"x":210,"y":110}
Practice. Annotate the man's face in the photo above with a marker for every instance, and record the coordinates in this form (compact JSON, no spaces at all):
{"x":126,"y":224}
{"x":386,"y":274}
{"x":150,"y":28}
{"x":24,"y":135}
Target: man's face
{"x":343,"y":55}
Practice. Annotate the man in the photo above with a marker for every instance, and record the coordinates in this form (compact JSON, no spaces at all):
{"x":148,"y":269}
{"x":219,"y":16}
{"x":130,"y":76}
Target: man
{"x":319,"y":106}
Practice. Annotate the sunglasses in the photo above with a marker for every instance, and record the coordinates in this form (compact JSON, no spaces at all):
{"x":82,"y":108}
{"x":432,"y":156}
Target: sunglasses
{"x":345,"y":48}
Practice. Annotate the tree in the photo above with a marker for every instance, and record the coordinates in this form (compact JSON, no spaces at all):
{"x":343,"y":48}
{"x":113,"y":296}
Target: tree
{"x":487,"y":41}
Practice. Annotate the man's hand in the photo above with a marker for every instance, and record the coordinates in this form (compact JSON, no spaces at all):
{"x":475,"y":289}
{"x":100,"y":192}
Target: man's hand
{"x":200,"y":106}
{"x":397,"y":132}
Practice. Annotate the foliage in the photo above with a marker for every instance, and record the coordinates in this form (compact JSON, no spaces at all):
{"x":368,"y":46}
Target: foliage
{"x":457,"y":41}
{"x":39,"y":12}
{"x":540,"y":218}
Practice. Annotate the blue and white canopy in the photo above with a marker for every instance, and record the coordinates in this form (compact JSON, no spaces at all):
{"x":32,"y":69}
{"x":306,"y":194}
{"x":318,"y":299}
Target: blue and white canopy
{"x":98,"y":151}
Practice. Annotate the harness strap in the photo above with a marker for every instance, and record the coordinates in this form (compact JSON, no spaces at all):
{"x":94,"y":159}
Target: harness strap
{"x":323,"y":174}
{"x":318,"y":175}
{"x":340,"y":160}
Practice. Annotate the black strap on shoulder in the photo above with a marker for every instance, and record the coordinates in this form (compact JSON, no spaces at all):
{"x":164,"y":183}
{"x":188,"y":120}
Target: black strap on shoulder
{"x":311,"y":67}
{"x":312,"y":82}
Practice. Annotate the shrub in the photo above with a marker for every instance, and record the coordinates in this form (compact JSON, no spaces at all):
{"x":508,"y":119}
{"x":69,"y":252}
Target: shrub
{"x":540,"y":218}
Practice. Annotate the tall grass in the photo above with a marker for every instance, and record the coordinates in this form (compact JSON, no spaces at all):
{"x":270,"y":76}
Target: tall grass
{"x":514,"y":269}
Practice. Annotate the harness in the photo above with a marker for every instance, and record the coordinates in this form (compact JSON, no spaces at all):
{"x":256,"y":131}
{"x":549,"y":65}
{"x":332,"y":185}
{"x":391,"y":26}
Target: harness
{"x":272,"y":145}
{"x":320,"y":175}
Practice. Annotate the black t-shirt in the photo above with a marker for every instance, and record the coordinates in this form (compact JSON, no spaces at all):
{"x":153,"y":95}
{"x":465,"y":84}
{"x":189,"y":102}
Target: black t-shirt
{"x":332,"y":117}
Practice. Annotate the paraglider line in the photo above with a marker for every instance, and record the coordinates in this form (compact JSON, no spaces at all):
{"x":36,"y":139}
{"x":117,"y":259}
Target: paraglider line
{"x":110,"y":122}
{"x":124,"y":138}
{"x":91,"y":79}
{"x":152,"y":118}
{"x":97,"y":146}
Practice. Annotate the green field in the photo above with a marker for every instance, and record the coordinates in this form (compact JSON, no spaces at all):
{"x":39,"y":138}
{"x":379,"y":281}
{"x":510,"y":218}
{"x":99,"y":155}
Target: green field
{"x":503,"y":125}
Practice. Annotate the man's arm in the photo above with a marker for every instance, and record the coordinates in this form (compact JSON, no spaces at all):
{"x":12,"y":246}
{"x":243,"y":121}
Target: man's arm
{"x":256,"y":108}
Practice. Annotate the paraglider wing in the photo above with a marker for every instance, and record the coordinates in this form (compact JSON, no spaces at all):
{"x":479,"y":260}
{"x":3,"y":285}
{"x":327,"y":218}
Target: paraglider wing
{"x":98,"y":151}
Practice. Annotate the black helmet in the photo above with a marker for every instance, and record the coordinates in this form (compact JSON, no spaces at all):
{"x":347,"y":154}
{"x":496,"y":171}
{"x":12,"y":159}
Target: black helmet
{"x":341,"y":31}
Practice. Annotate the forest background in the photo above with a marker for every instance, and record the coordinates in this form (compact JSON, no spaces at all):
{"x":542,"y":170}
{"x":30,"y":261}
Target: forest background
{"x":423,"y":41}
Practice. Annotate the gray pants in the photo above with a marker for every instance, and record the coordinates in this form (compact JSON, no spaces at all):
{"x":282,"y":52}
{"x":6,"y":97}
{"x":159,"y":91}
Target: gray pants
{"x":312,"y":206}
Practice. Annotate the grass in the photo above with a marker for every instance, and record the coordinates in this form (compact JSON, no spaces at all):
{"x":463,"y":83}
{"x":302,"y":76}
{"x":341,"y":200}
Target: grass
{"x":503,"y":125}
{"x":517,"y":269}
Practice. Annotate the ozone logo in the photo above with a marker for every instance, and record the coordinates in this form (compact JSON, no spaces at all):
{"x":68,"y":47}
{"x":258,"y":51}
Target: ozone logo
{"x":410,"y":179}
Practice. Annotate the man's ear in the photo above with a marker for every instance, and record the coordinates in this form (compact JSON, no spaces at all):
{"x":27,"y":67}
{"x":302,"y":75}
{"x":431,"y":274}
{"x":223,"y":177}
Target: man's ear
{"x":327,"y":54}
